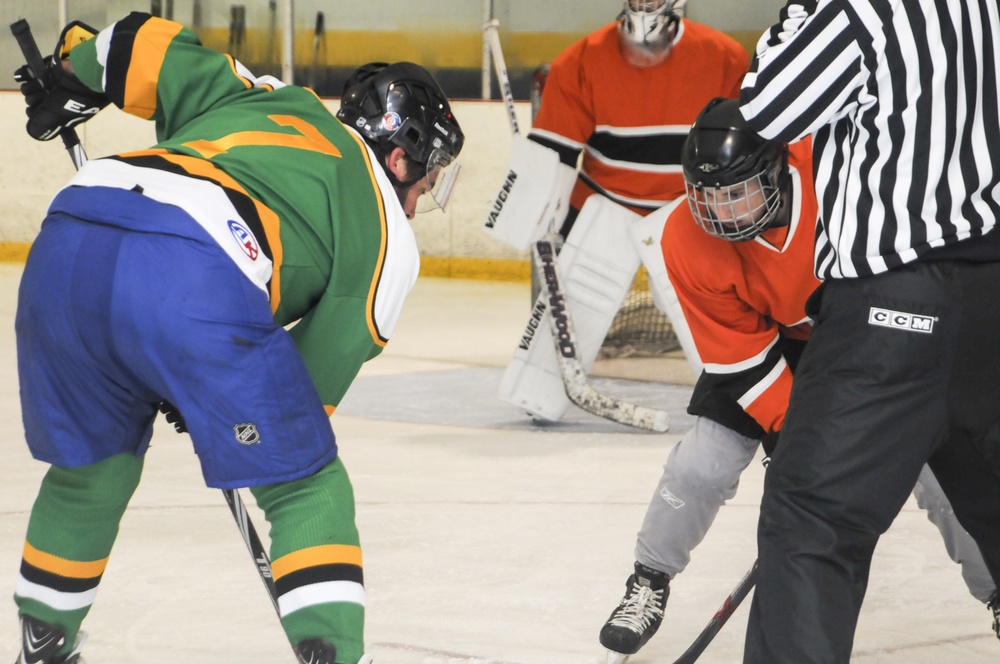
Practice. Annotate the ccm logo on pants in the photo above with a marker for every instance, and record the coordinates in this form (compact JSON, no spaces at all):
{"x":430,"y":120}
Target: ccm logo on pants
{"x":901,"y":320}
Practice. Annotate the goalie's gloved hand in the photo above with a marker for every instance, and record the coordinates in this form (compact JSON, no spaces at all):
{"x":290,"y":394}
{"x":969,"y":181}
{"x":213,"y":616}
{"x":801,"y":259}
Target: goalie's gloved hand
{"x":173,"y":415}
{"x":56,"y":101}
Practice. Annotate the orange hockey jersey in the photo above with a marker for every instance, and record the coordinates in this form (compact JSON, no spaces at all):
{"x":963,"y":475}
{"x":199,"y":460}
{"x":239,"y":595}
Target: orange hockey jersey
{"x":631,"y":122}
{"x":742,"y":300}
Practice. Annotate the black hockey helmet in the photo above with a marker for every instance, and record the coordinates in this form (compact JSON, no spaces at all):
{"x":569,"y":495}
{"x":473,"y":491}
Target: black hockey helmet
{"x":734,"y":178}
{"x":400,"y":104}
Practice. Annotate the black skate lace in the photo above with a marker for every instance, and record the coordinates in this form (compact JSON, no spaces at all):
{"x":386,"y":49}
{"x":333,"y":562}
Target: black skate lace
{"x":639,"y":608}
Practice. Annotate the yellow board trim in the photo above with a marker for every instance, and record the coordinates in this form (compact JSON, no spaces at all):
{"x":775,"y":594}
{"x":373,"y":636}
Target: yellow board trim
{"x":431,"y":48}
{"x":458,"y":49}
{"x":14,"y":252}
{"x":485,"y":269}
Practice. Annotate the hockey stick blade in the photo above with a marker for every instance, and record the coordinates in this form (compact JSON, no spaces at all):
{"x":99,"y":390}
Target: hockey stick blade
{"x":732,"y":603}
{"x":574,"y":377}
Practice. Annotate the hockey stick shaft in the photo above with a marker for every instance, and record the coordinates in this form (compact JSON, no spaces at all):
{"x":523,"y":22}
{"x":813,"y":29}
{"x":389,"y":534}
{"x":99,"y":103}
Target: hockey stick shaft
{"x":254,"y":545}
{"x":493,"y":36}
{"x":574,"y":376}
{"x":732,"y":603}
{"x":36,"y":65}
{"x":319,"y":34}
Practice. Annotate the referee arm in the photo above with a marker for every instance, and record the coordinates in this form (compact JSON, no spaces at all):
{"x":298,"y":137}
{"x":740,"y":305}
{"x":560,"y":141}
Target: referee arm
{"x":807,"y":70}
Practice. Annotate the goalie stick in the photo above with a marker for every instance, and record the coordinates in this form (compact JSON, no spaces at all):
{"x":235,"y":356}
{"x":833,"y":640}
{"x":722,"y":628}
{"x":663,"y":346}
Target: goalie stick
{"x":574,"y":377}
{"x":22,"y":32}
{"x":503,"y":80}
{"x":719,"y":619}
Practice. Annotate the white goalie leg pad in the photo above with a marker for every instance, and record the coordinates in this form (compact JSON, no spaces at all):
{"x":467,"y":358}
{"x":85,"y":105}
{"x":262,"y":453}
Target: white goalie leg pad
{"x":646,"y":235}
{"x":534,"y":196}
{"x":597,"y":264}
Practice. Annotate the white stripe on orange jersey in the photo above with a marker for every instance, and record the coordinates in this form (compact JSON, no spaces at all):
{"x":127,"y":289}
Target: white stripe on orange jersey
{"x":742,"y":365}
{"x":754,"y":392}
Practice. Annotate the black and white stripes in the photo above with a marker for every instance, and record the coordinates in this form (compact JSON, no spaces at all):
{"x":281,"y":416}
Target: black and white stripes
{"x":902,"y":99}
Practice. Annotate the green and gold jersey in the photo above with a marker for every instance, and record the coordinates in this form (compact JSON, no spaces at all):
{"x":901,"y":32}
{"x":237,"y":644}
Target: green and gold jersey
{"x":319,"y":226}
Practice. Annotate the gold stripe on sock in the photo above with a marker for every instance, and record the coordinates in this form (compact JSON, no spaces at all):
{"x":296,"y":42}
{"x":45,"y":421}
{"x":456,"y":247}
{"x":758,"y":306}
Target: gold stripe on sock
{"x":73,"y":569}
{"x":327,"y":554}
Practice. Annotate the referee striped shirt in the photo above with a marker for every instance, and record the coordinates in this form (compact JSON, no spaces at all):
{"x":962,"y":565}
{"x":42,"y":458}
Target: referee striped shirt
{"x":902,"y":99}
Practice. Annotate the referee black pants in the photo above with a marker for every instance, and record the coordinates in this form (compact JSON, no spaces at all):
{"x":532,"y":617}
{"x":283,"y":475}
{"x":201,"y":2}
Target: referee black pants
{"x":902,"y":368}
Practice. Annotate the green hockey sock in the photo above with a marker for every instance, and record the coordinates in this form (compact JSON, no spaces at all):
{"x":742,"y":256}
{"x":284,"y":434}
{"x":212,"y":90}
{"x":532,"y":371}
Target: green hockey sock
{"x":73,"y":525}
{"x":316,"y":559}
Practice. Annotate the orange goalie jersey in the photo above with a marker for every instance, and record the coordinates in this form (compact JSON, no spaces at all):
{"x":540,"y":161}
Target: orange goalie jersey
{"x":745,"y":303}
{"x":631,"y":122}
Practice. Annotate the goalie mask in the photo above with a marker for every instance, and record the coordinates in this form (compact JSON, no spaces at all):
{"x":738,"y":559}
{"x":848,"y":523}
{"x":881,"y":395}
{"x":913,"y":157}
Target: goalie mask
{"x":401,"y":105}
{"x":735,"y":180}
{"x":647,"y":29}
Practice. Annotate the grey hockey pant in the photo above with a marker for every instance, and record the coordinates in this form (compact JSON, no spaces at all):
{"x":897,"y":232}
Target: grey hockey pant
{"x":703,"y":472}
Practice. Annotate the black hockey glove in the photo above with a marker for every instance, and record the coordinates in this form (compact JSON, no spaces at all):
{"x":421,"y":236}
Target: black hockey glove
{"x":769,"y":442}
{"x":57,"y":102}
{"x":56,"y":99}
{"x":173,"y":415}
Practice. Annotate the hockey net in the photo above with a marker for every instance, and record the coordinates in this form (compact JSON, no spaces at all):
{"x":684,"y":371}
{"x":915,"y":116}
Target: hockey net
{"x":639,"y":329}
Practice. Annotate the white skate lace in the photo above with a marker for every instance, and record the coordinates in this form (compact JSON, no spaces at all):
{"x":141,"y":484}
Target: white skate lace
{"x":639,"y":608}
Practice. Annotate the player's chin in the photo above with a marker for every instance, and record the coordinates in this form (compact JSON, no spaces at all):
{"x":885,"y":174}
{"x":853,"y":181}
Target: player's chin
{"x":645,"y":55}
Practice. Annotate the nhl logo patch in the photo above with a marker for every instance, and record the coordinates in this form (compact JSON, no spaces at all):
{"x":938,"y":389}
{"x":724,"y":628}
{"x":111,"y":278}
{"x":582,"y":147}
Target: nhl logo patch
{"x":246,"y":433}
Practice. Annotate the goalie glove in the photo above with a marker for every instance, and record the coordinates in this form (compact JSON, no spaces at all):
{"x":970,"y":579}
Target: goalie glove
{"x":56,"y":99}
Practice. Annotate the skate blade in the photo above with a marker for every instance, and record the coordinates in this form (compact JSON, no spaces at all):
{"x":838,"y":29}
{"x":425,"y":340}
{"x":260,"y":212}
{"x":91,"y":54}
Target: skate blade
{"x":616,"y":657}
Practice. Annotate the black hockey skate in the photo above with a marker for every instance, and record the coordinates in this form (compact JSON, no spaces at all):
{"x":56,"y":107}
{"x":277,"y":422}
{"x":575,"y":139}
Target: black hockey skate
{"x":994,"y":605}
{"x":638,"y":615}
{"x":321,"y":651}
{"x":316,"y":651}
{"x":41,"y":641}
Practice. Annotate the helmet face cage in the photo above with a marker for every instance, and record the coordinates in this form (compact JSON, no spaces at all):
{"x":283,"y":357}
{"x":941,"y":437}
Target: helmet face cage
{"x":734,"y":178}
{"x":739,"y":211}
{"x":648,"y":23}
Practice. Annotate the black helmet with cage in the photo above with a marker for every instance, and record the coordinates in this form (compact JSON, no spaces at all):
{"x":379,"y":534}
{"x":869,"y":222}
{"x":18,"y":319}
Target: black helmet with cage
{"x":401,"y":105}
{"x":735,"y":179}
